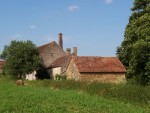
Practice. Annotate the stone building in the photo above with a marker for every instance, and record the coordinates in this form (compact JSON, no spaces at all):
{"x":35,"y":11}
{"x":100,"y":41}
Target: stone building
{"x":57,"y":61}
{"x":60,"y":65}
{"x":51,"y":51}
{"x":48,"y":54}
{"x":101,"y":69}
{"x":88,"y":68}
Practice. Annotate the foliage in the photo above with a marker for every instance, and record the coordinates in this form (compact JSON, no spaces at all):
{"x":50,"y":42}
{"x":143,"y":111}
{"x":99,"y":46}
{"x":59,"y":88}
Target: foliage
{"x":140,"y":96}
{"x":134,"y":51}
{"x":27,"y":99}
{"x":60,"y":77}
{"x":21,"y":58}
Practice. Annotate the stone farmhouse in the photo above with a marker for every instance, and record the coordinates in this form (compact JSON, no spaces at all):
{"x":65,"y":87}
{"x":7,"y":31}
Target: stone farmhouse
{"x":90,"y":68}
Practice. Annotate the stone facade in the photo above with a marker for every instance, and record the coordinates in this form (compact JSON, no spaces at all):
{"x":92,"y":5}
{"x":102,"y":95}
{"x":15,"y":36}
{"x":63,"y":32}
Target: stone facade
{"x":104,"y":77}
{"x":50,"y":52}
{"x":31,"y":76}
{"x":72,"y":71}
{"x":56,"y":71}
{"x":90,"y":68}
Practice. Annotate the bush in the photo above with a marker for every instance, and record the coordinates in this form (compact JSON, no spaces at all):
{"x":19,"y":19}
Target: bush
{"x":60,"y":77}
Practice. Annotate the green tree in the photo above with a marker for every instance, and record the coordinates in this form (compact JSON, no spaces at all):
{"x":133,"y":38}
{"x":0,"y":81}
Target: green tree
{"x":134,"y":51}
{"x":21,"y":58}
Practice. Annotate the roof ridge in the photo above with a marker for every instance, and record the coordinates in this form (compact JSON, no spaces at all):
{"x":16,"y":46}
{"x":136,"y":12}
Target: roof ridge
{"x":96,"y":56}
{"x":99,"y":64}
{"x":61,"y":60}
{"x":46,"y":44}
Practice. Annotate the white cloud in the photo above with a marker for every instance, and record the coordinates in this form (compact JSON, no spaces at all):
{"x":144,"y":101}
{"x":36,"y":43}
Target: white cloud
{"x":32,"y":26}
{"x":108,"y":1}
{"x":73,"y":8}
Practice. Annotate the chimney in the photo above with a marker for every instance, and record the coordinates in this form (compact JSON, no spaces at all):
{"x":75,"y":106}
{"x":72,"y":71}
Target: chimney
{"x":75,"y":51}
{"x":68,"y":50}
{"x":60,"y":40}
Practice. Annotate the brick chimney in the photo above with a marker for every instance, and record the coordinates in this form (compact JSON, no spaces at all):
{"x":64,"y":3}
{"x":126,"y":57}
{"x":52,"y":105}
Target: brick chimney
{"x":68,"y":50}
{"x":60,"y":40}
{"x":74,"y":51}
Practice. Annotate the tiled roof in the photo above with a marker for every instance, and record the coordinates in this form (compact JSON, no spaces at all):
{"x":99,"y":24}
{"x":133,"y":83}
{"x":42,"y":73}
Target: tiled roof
{"x":43,"y":47}
{"x":50,"y":52}
{"x":62,"y":61}
{"x":98,"y":64}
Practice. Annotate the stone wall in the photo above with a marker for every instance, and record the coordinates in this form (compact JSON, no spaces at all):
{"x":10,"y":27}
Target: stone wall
{"x":51,"y":53}
{"x":55,"y":72}
{"x":104,"y":77}
{"x":72,"y":71}
{"x":31,"y":76}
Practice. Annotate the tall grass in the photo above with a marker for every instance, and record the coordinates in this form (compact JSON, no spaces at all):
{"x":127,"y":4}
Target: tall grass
{"x":29,"y":99}
{"x":128,"y":93}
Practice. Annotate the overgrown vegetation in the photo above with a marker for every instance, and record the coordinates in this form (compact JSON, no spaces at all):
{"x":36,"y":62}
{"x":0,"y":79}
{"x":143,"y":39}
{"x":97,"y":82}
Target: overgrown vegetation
{"x":60,"y":77}
{"x":134,"y":51}
{"x":43,"y":99}
{"x":127,"y":93}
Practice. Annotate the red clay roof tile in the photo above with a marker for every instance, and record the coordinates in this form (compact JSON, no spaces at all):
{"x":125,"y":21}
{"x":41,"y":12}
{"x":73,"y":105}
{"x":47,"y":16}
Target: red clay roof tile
{"x":99,"y":64}
{"x":43,"y":47}
{"x":61,"y":61}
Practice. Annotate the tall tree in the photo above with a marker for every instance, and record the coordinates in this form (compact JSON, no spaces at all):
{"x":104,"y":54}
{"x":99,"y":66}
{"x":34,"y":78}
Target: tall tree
{"x":21,"y":58}
{"x":134,"y":51}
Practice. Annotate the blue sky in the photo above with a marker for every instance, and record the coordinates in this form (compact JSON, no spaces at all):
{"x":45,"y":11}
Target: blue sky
{"x":96,"y":27}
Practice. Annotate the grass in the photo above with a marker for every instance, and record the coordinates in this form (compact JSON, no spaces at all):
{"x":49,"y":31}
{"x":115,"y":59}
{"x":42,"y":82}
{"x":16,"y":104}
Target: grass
{"x":52,"y":97}
{"x":127,"y":93}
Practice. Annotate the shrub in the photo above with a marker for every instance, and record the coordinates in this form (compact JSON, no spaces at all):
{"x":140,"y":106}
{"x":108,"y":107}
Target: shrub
{"x":60,"y":77}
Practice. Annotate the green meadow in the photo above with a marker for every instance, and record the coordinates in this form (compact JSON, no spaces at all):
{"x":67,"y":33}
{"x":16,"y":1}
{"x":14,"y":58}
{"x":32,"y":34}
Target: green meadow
{"x":49,"y":96}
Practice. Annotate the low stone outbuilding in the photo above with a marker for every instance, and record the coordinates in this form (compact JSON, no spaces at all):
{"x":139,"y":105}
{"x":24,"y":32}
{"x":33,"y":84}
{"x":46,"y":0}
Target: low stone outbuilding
{"x":101,"y":69}
{"x":87,"y":68}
